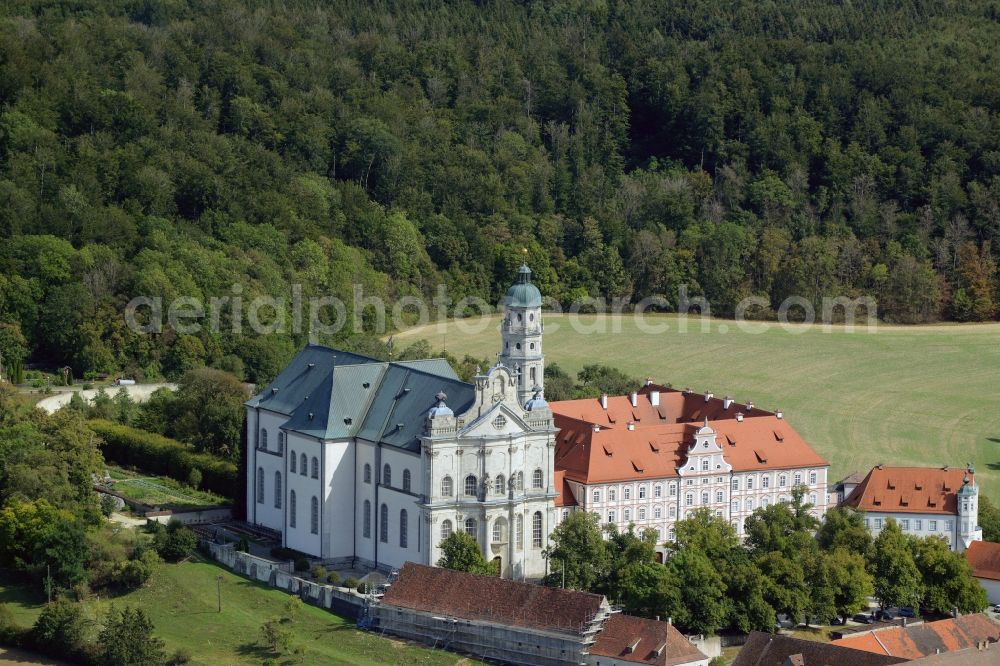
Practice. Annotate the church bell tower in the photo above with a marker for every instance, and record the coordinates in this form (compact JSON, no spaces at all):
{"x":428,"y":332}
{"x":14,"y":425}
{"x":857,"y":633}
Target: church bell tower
{"x":521,"y":335}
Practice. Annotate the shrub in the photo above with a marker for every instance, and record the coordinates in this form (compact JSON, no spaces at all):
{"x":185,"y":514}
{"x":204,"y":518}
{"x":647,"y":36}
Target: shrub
{"x":194,"y":478}
{"x":60,"y":628}
{"x":107,"y":505}
{"x":176,"y":542}
{"x":351,"y":582}
{"x":157,"y":454}
{"x":180,"y":657}
{"x":364,"y":588}
{"x":302,"y":564}
{"x":333,"y":578}
{"x":319,"y":572}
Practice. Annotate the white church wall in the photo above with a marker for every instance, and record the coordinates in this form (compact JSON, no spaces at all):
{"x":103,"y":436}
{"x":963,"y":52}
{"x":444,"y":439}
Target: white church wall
{"x":365,"y":453}
{"x":339,"y":500}
{"x":300,"y":537}
{"x":271,"y":462}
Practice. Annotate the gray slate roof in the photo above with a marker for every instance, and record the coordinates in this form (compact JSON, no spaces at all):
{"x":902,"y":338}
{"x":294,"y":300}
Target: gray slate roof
{"x":331,"y":394}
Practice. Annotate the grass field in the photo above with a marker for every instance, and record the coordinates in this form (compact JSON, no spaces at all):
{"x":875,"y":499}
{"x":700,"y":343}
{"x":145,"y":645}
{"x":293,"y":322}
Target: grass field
{"x":160,"y":491}
{"x":181,"y":601}
{"x":923,"y":395}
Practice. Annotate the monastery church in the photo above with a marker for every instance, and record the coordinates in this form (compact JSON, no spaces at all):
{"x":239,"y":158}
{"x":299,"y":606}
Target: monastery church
{"x":372,"y":464}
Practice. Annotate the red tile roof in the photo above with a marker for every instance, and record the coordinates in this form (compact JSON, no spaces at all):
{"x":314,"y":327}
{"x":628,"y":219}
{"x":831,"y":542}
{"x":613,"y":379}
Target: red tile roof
{"x":642,"y":641}
{"x":984,"y":558}
{"x":775,"y":650}
{"x":909,"y":490}
{"x":920,"y":640}
{"x":495,"y":600}
{"x":565,"y":496}
{"x":595,"y":445}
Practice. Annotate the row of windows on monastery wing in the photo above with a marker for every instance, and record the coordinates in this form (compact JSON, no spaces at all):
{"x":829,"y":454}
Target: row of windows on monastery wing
{"x":301,"y":465}
{"x":915,"y":525}
{"x":387,"y":476}
{"x":656,"y":512}
{"x":499,"y":532}
{"x":262,"y":440}
{"x":498,"y":484}
{"x":643,"y":490}
{"x":292,"y":501}
{"x":383,"y":521}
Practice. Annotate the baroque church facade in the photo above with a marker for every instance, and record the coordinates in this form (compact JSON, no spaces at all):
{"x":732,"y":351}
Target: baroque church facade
{"x":371,"y":463}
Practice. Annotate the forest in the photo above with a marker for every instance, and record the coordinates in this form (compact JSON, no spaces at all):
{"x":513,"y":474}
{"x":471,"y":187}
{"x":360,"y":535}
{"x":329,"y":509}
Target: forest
{"x":174,"y":148}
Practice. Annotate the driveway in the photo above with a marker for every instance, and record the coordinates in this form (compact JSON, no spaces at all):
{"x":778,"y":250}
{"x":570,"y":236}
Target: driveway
{"x":138,"y":392}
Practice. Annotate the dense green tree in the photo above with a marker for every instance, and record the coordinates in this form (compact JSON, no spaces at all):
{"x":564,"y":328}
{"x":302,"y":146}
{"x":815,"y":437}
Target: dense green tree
{"x":891,"y":564}
{"x":843,"y":527}
{"x":61,"y":628}
{"x":578,"y":550}
{"x":461,"y":553}
{"x":208,"y":412}
{"x":989,"y":519}
{"x":851,"y":582}
{"x":702,"y":592}
{"x":127,"y":640}
{"x":948,"y":581}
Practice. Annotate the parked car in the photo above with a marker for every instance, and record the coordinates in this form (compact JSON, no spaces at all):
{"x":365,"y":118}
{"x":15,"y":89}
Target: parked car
{"x":906,"y":611}
{"x":783,"y":622}
{"x":838,"y":621}
{"x":887,"y":614}
{"x":996,"y":609}
{"x":863,"y":618}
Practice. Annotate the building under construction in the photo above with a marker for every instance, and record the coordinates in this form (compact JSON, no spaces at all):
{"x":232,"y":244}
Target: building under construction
{"x":516,"y":623}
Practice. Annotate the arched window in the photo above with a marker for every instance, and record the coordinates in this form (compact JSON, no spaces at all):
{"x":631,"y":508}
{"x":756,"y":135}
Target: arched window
{"x":734,"y":506}
{"x":281,"y":442}
{"x":782,"y":481}
{"x":627,"y":492}
{"x":277,"y":490}
{"x":520,"y":480}
{"x":292,"y":506}
{"x":750,"y":483}
{"x":764,"y":503}
{"x":406,"y":480}
{"x":536,"y":479}
{"x":642,"y":491}
{"x":719,"y":497}
{"x":260,"y":485}
{"x":704,"y":497}
{"x":304,"y":466}
{"x":499,"y":530}
{"x":471,"y":527}
{"x":315,"y":467}
{"x":445,"y":529}
{"x":383,"y":524}
{"x":499,"y":485}
{"x":402,"y":528}
{"x":812,"y":478}
{"x":263,"y":438}
{"x":749,"y":504}
{"x":798,"y":478}
{"x":657,"y":512}
{"x":446,"y":486}
{"x":612,"y":495}
{"x":292,"y":460}
{"x":366,"y":527}
{"x":736,"y":484}
{"x":519,"y":531}
{"x":368,"y":473}
{"x":536,"y":530}
{"x":704,"y":464}
{"x":386,"y":475}
{"x":657,"y":491}
{"x":673,"y":512}
{"x":642,"y":513}
{"x":612,"y":516}
{"x":470,"y":485}
{"x":314,"y":516}
{"x":628,"y":515}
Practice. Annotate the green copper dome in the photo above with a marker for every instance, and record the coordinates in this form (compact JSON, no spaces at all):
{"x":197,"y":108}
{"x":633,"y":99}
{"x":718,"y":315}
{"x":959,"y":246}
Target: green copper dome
{"x":523,"y":294}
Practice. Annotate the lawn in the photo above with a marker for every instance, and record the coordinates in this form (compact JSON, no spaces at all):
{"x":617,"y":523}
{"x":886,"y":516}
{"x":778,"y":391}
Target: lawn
{"x":181,"y":601}
{"x":922,"y":395}
{"x":160,"y":490}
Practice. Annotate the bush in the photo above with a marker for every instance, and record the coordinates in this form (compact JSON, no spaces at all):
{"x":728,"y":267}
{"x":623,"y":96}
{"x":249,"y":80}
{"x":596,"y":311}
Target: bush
{"x":180,"y":657}
{"x":194,"y":478}
{"x":302,"y":564}
{"x":333,"y":578}
{"x":364,"y":588}
{"x":60,"y":628}
{"x":319,"y":573}
{"x":351,"y":582}
{"x":107,"y":505}
{"x":157,"y":454}
{"x":176,"y":542}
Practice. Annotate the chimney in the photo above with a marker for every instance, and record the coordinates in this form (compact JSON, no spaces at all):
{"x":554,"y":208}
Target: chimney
{"x":649,"y":381}
{"x":727,"y":402}
{"x":654,"y":398}
{"x":670,"y":620}
{"x":631,"y":425}
{"x":779,"y":414}
{"x":633,"y":397}
{"x":709,"y":396}
{"x":750,"y":405}
{"x":739,"y":417}
{"x":597,"y":428}
{"x":604,"y":400}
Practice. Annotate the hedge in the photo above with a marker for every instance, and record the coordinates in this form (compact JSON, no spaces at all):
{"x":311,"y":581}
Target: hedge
{"x":157,"y":454}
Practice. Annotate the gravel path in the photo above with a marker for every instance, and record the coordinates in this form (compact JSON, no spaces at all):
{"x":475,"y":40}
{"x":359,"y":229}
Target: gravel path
{"x":138,"y":392}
